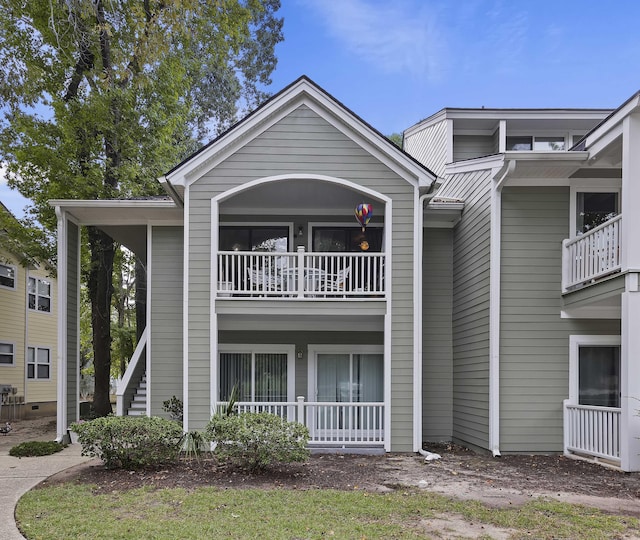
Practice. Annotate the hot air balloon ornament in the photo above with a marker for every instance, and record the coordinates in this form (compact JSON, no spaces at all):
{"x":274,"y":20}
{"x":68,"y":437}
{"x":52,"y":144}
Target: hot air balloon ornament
{"x":363,"y":214}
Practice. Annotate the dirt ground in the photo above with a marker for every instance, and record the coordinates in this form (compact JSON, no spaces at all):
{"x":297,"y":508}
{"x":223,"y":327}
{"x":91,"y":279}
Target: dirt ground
{"x":508,"y":480}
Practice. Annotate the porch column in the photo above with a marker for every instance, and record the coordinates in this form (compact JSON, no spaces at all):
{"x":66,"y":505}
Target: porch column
{"x":630,"y":376}
{"x":68,"y":353}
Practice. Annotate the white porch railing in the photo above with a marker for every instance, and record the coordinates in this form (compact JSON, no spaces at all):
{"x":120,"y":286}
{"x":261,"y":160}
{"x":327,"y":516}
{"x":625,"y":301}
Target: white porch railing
{"x":135,"y":368}
{"x":592,"y":431}
{"x":593,"y":255}
{"x":300,"y":275}
{"x":343,"y":424}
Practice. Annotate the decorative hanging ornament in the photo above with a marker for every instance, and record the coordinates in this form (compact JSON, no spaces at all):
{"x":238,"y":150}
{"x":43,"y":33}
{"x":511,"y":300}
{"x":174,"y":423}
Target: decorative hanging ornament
{"x":363,"y":214}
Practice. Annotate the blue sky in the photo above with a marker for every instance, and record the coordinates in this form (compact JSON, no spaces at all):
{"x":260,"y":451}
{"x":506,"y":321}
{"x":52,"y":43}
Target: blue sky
{"x":397,"y":62}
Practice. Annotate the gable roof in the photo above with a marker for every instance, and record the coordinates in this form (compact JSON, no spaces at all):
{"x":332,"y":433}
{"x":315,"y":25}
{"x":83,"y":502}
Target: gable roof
{"x":301,"y":91}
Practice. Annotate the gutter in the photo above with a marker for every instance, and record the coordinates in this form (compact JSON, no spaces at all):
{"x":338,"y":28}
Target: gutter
{"x":168,"y":186}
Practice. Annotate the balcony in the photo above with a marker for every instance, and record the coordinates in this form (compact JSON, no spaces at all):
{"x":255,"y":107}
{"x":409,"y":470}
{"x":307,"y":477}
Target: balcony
{"x":300,"y":275}
{"x":592,"y":256}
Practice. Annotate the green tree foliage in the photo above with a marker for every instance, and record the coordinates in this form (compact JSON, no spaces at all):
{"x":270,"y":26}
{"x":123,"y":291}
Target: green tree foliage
{"x":101,"y":97}
{"x":396,"y":138}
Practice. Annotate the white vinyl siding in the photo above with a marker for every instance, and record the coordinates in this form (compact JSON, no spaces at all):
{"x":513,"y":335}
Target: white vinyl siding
{"x":534,"y":339}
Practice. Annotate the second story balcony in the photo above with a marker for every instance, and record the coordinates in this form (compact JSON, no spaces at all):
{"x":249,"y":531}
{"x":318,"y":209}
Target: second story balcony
{"x":300,"y":275}
{"x":592,"y":256}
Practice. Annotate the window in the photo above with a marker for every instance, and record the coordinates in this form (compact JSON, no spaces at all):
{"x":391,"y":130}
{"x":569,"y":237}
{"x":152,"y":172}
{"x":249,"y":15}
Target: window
{"x":7,"y":276}
{"x":594,"y":370}
{"x":350,"y":378}
{"x":7,"y":354}
{"x":259,"y":375}
{"x":348,"y":239}
{"x":548,"y":144}
{"x":39,"y":295}
{"x":538,"y":143}
{"x":519,"y":143}
{"x":38,"y":363}
{"x":594,"y":208}
{"x":599,"y":376}
{"x":240,"y":238}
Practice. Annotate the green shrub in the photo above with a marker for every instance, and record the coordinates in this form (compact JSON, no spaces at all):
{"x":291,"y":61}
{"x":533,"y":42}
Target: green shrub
{"x":174,"y":407}
{"x":36,"y":448}
{"x":130,"y":442}
{"x":255,"y":441}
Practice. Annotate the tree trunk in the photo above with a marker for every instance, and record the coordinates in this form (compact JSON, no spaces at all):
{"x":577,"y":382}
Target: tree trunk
{"x":100,"y":284}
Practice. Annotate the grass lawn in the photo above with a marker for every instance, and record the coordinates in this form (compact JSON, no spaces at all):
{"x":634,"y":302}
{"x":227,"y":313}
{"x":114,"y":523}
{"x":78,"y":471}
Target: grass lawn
{"x":74,"y":511}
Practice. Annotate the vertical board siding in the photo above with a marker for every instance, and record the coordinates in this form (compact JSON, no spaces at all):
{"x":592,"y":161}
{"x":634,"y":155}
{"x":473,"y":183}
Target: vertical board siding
{"x":534,"y":340}
{"x":437,"y":335}
{"x":306,"y":143}
{"x":72,"y":323}
{"x":429,"y":146}
{"x":471,"y":253}
{"x":473,"y":146}
{"x":166,"y":315}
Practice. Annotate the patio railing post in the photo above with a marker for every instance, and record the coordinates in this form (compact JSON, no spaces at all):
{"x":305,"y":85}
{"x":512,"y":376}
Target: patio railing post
{"x":301,"y":410}
{"x":300,"y":264}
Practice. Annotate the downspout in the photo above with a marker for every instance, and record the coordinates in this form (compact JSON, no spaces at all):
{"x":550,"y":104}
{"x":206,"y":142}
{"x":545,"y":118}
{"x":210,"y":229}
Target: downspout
{"x":417,"y":382}
{"x":494,"y":305}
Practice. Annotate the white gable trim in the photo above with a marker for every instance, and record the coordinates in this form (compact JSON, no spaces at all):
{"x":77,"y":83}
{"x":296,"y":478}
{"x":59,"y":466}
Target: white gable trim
{"x":301,"y":93}
{"x":302,"y":176}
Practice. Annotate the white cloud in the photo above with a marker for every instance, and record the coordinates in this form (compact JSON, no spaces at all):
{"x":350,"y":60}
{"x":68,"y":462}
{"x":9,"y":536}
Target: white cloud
{"x":396,"y":37}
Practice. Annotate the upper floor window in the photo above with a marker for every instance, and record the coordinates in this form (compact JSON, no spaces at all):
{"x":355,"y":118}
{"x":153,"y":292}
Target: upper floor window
{"x":7,"y":354}
{"x":593,"y":209}
{"x":39,"y":291}
{"x":38,"y":363}
{"x":537,"y":143}
{"x":7,"y":276}
{"x":254,"y":238}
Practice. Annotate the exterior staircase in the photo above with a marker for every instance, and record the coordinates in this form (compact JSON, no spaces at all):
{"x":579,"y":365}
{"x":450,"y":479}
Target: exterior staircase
{"x":139,"y":403}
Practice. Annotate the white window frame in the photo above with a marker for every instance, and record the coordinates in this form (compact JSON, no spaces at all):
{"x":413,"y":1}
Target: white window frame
{"x":35,"y":363}
{"x":38,"y":295}
{"x":15,"y":277}
{"x":252,"y":349}
{"x":577,"y":341}
{"x":314,"y":350}
{"x":13,"y":353}
{"x":533,"y":135}
{"x":586,"y":188}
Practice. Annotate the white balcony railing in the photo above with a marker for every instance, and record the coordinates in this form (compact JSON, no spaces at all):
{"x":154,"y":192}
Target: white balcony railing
{"x":592,"y":431}
{"x":343,"y":424}
{"x":300,"y":275}
{"x":591,"y":256}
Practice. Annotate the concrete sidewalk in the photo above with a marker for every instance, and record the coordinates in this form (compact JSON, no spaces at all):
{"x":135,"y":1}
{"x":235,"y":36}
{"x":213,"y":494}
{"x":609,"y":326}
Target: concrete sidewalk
{"x":19,"y":475}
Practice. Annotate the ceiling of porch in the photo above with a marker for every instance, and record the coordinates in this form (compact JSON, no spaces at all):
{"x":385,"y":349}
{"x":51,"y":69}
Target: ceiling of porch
{"x":295,"y":197}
